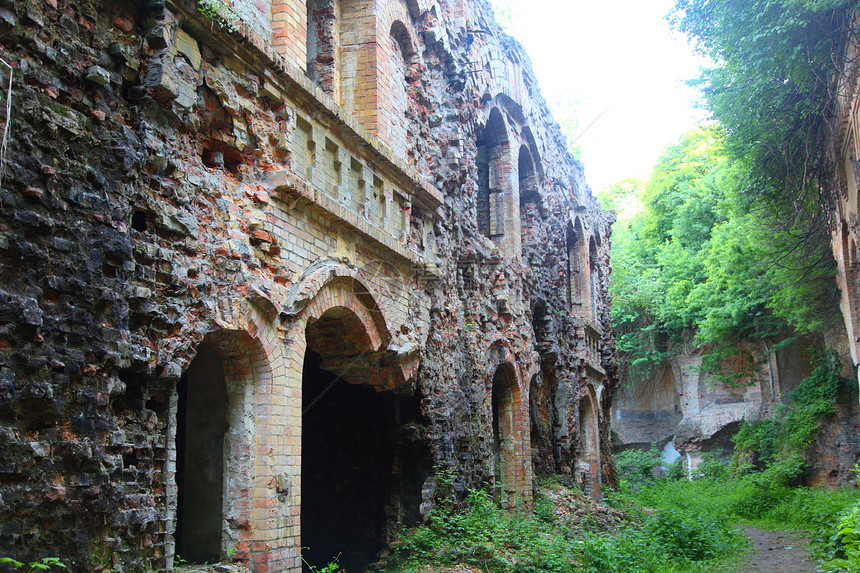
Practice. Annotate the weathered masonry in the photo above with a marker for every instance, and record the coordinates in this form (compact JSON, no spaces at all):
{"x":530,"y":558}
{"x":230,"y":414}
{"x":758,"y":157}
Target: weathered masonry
{"x":272,"y":268}
{"x":686,"y":411}
{"x":845,"y":156}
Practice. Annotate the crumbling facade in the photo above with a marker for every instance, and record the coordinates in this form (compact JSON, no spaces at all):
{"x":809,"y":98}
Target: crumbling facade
{"x":277,"y":273}
{"x":843,"y":153}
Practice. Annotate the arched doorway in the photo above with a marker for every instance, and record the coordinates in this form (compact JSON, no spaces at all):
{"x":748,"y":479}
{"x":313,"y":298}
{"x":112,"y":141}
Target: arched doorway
{"x":201,"y":425}
{"x":364,"y":459}
{"x":504,"y":436}
{"x":589,"y":462}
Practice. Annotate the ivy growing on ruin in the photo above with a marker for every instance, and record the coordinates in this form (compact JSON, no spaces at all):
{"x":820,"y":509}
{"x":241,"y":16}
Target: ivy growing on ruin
{"x":772,"y":88}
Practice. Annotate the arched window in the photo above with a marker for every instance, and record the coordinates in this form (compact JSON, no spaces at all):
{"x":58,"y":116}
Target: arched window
{"x":400,"y":53}
{"x":529,"y":197}
{"x":594,"y":279}
{"x":494,"y":170}
{"x":578,"y":284}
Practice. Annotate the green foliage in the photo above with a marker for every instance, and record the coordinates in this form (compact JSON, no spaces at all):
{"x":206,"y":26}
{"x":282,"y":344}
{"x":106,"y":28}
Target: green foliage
{"x":691,"y":258}
{"x":713,"y":465}
{"x":770,"y":89}
{"x":332,"y":566}
{"x":779,"y":443}
{"x":848,"y":537}
{"x":636,"y":467}
{"x":43,"y":564}
{"x":498,"y":541}
{"x":692,"y":536}
{"x":220,"y":12}
{"x":759,"y":485}
{"x":751,"y":499}
{"x":622,"y":198}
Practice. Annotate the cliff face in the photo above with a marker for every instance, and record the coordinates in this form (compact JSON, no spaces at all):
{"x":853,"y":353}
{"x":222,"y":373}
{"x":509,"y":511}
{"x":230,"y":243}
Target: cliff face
{"x":697,"y":413}
{"x":279,"y":275}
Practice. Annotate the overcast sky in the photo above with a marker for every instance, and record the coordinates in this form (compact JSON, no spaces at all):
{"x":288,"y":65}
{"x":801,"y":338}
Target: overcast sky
{"x":618,"y":58}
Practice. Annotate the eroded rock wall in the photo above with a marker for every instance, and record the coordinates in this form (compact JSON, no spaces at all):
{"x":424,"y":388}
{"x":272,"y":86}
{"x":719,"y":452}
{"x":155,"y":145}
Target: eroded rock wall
{"x":698,"y":413}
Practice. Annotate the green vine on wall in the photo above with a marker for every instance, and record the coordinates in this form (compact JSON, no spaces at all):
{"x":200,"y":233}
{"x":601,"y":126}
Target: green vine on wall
{"x":220,"y":12}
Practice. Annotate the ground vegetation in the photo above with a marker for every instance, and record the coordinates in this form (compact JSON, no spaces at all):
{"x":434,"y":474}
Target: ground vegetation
{"x":761,"y":482}
{"x":568,"y":532}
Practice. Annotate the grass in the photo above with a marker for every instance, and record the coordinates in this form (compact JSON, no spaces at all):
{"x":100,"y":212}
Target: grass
{"x":567,"y":533}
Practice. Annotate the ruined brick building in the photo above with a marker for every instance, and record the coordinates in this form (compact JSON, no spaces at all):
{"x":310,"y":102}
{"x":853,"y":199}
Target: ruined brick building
{"x":844,"y":153}
{"x":277,"y":273}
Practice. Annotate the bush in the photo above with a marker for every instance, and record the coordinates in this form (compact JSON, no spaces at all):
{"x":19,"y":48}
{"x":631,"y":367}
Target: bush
{"x":779,"y":443}
{"x":713,"y":465}
{"x":636,"y":467}
{"x":848,"y":537}
{"x":691,"y":535}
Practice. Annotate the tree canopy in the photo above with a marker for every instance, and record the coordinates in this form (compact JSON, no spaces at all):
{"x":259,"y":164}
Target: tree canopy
{"x":689,"y":259}
{"x":771,"y":88}
{"x":728,"y":239}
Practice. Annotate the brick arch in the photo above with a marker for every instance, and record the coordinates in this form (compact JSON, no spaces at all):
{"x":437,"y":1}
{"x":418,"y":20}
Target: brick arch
{"x":368,"y":85}
{"x":334,"y":284}
{"x":594,"y":278}
{"x":395,"y":14}
{"x":849,"y":291}
{"x":397,"y":51}
{"x":529,"y":139}
{"x":500,"y":354}
{"x":508,"y":406}
{"x":579,"y":287}
{"x":496,"y":179}
{"x":510,"y":107}
{"x":531,"y":205}
{"x":333,"y":292}
{"x":588,"y":462}
{"x":241,"y":331}
{"x":588,"y":404}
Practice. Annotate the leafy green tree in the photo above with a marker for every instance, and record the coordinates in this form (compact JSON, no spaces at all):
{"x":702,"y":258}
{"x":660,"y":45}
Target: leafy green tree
{"x":692,"y":260}
{"x":771,"y":88}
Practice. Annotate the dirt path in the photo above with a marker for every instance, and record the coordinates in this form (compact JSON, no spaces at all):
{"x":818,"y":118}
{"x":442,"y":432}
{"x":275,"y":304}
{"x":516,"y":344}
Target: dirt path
{"x":777,"y":552}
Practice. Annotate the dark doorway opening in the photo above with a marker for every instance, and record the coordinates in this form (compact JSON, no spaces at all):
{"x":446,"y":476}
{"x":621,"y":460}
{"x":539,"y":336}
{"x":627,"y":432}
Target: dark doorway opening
{"x":364,"y":462}
{"x":346,"y":468}
{"x":503,"y":436}
{"x":200,"y":428}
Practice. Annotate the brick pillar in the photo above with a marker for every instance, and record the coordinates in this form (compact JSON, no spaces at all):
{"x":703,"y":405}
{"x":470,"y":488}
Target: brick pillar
{"x":290,"y":30}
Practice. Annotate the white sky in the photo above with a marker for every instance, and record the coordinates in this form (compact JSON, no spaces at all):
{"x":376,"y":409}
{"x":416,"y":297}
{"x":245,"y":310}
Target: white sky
{"x":620,"y":56}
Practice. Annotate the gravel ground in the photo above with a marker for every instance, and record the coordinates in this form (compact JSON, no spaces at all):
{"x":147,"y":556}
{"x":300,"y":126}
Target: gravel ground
{"x":777,"y":552}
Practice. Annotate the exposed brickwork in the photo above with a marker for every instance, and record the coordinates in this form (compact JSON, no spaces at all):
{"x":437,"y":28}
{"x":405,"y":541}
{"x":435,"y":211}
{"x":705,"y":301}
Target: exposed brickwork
{"x":176,"y":183}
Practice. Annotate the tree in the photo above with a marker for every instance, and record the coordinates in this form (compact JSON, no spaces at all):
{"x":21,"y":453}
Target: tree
{"x":693,"y":260}
{"x":771,"y":90}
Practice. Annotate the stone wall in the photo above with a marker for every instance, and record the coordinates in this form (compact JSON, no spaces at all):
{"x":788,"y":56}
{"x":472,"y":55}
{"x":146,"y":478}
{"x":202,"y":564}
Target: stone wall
{"x":195,"y":218}
{"x":843,"y":154}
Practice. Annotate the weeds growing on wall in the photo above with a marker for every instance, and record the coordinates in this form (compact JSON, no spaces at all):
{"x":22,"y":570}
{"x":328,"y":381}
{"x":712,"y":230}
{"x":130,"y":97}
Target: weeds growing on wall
{"x":776,"y":446}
